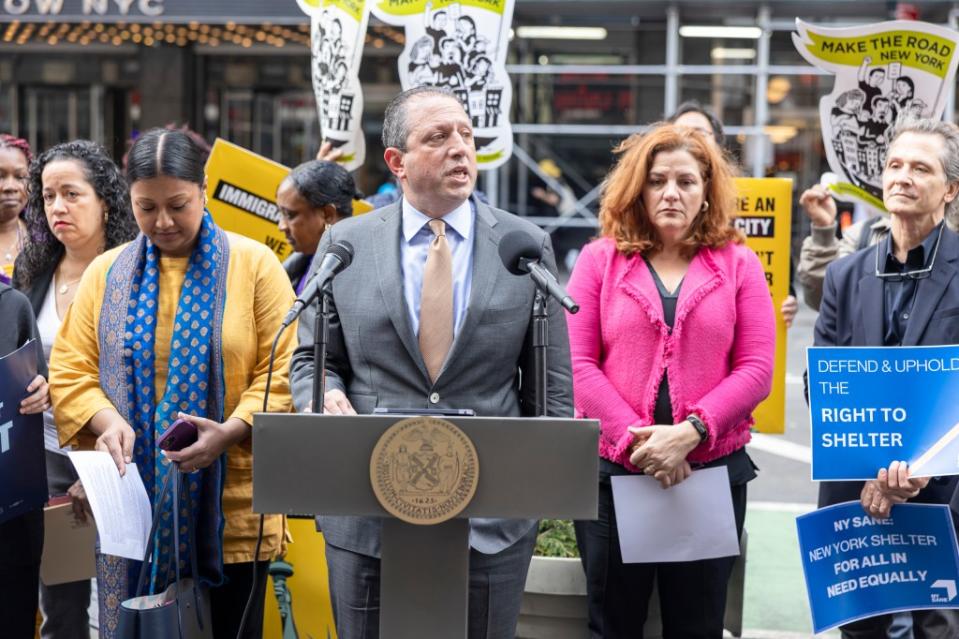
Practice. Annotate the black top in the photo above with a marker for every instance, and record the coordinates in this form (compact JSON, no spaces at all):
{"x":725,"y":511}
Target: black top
{"x":899,"y":293}
{"x":663,"y":412}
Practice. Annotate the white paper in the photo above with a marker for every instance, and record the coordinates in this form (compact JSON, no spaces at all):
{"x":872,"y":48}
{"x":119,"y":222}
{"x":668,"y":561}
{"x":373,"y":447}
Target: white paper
{"x":120,"y":505}
{"x":688,"y":522}
{"x":51,"y":439}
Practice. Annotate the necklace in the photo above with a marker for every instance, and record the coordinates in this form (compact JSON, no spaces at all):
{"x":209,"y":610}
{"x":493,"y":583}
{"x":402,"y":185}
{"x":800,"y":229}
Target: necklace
{"x":8,"y":254}
{"x":64,"y":288}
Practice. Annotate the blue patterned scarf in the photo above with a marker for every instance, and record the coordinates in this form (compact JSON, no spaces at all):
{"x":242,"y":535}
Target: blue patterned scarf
{"x":194,"y":385}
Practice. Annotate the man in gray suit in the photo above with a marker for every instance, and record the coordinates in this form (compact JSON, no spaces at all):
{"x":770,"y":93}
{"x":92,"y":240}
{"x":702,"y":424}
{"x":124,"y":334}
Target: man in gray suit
{"x":428,"y":317}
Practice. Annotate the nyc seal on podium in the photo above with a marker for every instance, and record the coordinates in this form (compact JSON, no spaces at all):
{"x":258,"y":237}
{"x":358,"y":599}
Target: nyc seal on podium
{"x":424,"y":470}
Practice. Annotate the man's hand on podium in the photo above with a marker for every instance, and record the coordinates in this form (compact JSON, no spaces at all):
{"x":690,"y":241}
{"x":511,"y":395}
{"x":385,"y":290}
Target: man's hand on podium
{"x":335,"y":403}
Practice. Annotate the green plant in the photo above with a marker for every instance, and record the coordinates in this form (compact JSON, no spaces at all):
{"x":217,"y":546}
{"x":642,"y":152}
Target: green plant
{"x":556,"y":538}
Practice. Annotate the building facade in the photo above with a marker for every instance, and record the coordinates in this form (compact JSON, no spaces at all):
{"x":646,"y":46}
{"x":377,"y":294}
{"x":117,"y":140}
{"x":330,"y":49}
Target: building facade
{"x":240,"y":69}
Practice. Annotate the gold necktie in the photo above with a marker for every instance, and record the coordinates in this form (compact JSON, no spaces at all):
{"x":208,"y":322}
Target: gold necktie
{"x":436,"y":302}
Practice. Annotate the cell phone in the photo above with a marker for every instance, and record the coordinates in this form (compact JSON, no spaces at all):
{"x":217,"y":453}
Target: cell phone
{"x":178,"y":436}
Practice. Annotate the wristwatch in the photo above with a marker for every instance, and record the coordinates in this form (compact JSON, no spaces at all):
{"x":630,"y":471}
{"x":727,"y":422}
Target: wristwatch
{"x":699,"y":426}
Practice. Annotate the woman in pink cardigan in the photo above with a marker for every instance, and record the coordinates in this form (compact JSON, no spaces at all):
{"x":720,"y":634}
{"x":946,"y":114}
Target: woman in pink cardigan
{"x":672,"y":350}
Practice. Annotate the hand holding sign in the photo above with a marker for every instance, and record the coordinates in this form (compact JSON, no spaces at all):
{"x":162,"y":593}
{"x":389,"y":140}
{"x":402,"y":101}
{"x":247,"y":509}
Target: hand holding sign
{"x":39,"y":398}
{"x":819,"y":206}
{"x":892,"y":486}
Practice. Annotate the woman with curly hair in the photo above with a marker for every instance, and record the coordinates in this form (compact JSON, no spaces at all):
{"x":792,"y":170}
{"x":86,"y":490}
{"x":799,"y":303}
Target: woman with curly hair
{"x":15,"y":160}
{"x":79,"y":206}
{"x":672,"y":349}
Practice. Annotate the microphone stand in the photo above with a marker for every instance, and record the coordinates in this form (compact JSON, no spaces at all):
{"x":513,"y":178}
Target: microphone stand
{"x":321,"y":333}
{"x":540,"y":343}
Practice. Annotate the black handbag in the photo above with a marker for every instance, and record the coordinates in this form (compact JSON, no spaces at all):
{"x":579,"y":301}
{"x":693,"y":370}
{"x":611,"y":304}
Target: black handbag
{"x":182,"y":611}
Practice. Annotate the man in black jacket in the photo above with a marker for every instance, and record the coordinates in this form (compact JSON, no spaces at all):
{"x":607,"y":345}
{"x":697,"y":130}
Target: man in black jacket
{"x":903,"y":291}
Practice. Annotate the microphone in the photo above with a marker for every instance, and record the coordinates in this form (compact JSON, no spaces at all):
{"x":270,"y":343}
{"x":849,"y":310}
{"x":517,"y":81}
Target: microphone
{"x":337,"y":257}
{"x":521,"y":254}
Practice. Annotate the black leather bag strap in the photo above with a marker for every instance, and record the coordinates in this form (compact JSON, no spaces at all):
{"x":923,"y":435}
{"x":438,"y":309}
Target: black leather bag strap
{"x":192,"y":543}
{"x":145,"y":566}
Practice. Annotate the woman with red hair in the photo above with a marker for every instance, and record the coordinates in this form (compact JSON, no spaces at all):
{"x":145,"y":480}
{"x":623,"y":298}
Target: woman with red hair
{"x":672,"y":350}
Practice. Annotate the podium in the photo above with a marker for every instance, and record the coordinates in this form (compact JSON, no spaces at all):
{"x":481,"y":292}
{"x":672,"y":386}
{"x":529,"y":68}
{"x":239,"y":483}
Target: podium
{"x":529,"y":468}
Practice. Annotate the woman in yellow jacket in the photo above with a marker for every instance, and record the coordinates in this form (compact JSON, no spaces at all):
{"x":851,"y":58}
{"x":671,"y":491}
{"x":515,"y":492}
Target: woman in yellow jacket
{"x":179,"y":324}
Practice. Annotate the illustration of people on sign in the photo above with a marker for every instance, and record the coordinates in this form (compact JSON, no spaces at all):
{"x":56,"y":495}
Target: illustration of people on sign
{"x":460,"y":46}
{"x":861,"y":119}
{"x":331,"y":70}
{"x":884,"y":72}
{"x":457,"y":60}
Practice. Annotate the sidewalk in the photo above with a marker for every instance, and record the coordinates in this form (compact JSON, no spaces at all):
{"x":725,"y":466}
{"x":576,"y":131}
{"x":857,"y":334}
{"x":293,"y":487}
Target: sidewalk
{"x":776,"y":605}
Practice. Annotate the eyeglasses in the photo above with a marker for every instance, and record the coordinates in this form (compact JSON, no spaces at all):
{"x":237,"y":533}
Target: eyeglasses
{"x":918,"y":274}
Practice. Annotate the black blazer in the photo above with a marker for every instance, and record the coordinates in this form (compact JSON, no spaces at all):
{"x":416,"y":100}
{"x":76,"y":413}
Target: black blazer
{"x":38,"y":290}
{"x":296,"y":266}
{"x":851,"y":314}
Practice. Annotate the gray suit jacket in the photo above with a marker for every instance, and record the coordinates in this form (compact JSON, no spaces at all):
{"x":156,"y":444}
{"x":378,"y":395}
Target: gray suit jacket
{"x":374,"y":357}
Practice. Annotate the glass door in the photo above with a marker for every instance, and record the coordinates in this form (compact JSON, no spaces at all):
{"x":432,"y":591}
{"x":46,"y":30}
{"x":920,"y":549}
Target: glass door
{"x":281,"y":126}
{"x":52,"y":115}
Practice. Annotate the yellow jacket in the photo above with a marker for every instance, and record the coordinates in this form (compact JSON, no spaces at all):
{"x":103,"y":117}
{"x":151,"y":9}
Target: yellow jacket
{"x":258,"y":295}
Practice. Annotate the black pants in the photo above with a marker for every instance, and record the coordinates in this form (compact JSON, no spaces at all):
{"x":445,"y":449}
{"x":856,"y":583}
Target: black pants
{"x":21,"y":541}
{"x":228,"y":601}
{"x":692,"y":594}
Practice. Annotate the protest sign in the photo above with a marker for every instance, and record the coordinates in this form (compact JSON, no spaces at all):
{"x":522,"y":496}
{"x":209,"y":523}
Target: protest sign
{"x":241,"y":194}
{"x":883,"y":71}
{"x":871,"y":406}
{"x":23,"y":475}
{"x":764,"y":214}
{"x":337,"y":36}
{"x":460,"y":45}
{"x":857,"y":566}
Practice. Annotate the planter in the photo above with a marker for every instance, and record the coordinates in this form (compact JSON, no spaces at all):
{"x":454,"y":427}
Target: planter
{"x":554,"y":603}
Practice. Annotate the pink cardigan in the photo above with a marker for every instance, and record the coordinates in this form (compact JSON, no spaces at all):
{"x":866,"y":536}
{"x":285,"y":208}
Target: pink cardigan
{"x":719,"y":354}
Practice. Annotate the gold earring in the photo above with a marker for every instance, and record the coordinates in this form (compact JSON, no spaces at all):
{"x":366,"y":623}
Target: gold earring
{"x":705,"y":207}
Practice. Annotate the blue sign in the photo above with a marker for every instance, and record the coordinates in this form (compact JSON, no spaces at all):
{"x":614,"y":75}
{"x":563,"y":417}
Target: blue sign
{"x":871,"y":406}
{"x":23,"y":475}
{"x":857,"y":566}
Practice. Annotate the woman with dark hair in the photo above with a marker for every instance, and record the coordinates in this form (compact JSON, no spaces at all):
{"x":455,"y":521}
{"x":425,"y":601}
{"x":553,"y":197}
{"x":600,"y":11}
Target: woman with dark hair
{"x":314,"y":195}
{"x":695,"y":116}
{"x":178,"y":325}
{"x":15,"y":158}
{"x":79,"y":206}
{"x":672,"y":350}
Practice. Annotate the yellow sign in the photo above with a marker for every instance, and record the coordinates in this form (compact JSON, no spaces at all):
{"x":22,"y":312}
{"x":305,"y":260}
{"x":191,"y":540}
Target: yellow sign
{"x":413,"y":7}
{"x":764,"y":214}
{"x":917,"y":49}
{"x":241,"y":194}
{"x":308,"y":586}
